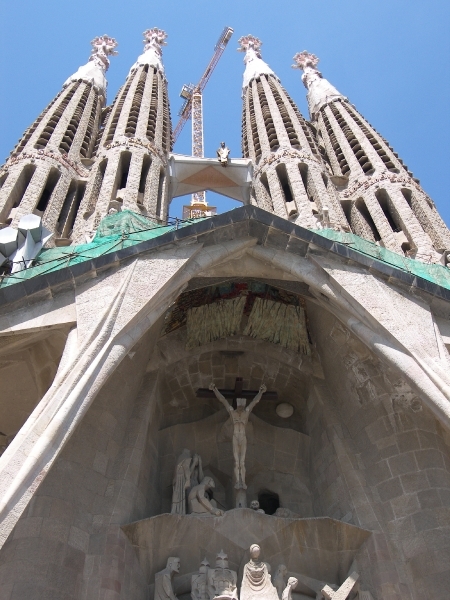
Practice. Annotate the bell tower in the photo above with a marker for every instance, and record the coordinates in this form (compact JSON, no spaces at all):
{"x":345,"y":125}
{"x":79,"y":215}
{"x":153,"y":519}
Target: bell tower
{"x":46,"y":172}
{"x":290,"y":177}
{"x":384,"y":203}
{"x":133,"y":145}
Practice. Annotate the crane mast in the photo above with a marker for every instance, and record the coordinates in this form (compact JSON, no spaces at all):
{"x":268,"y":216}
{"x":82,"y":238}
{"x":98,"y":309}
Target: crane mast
{"x":193,"y":108}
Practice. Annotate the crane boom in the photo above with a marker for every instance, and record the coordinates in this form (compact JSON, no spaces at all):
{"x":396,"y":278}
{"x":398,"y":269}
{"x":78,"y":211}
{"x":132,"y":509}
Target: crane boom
{"x":188,"y":91}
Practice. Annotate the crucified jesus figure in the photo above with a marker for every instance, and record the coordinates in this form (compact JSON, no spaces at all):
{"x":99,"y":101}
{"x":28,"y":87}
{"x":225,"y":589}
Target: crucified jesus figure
{"x":239,"y":418}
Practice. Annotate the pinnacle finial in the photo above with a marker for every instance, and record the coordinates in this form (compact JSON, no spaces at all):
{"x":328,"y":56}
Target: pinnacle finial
{"x":102,"y":47}
{"x":154,"y":38}
{"x":248,"y":42}
{"x":305,"y":59}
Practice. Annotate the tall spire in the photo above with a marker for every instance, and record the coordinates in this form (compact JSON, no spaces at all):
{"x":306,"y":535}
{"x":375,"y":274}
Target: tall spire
{"x":94,"y":70}
{"x":154,"y":39}
{"x":382,"y":200}
{"x":320,"y":90}
{"x":254,"y":64}
{"x":130,"y":172}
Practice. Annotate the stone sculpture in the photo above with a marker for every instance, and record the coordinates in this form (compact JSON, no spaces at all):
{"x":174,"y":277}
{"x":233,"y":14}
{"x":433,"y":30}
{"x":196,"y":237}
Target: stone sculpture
{"x":163,"y":580}
{"x":199,"y":582}
{"x":185,"y":469}
{"x":198,"y":501}
{"x":256,"y":583}
{"x":223,"y":154}
{"x":287,"y":592}
{"x":222,"y":581}
{"x":239,"y":418}
{"x":254,"y":505}
{"x":279,"y":580}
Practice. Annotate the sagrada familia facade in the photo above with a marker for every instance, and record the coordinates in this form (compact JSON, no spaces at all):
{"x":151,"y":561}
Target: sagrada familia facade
{"x":250,"y":406}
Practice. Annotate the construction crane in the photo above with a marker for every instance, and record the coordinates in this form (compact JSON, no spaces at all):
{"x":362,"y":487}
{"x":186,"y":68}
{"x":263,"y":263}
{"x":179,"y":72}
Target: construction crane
{"x":193,"y":107}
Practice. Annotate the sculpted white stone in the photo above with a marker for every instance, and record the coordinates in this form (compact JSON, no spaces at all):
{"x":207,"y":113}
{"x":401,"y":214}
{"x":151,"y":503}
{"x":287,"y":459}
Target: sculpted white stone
{"x":239,"y":418}
{"x":256,"y":582}
{"x":198,"y":501}
{"x":163,"y":580}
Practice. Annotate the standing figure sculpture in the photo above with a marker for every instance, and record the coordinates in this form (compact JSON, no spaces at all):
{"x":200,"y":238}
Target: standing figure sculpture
{"x":239,"y":418}
{"x":163,"y":580}
{"x":223,"y":154}
{"x":256,"y":583}
{"x":185,"y":468}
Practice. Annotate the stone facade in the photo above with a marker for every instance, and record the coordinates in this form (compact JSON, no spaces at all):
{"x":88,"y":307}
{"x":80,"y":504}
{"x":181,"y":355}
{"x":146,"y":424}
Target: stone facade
{"x":347,"y":450}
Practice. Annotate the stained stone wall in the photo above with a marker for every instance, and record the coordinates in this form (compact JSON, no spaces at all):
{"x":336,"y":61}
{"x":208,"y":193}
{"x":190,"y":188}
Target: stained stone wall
{"x":68,"y":543}
{"x":381,"y":461}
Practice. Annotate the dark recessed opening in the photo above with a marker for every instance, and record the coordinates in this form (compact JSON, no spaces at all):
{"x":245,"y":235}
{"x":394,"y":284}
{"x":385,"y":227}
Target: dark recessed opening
{"x":268,"y":501}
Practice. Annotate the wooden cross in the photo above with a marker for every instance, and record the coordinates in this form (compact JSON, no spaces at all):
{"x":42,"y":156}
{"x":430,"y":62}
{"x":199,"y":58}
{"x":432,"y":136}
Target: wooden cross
{"x":238,"y":392}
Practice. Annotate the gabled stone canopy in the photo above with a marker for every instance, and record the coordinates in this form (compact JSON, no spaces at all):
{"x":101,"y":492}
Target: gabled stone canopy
{"x":371,"y":402}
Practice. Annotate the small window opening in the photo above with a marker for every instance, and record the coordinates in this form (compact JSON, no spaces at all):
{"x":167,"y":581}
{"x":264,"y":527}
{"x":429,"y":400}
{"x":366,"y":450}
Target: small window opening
{"x":269,"y":501}
{"x":144,"y":173}
{"x":125,"y":160}
{"x":363,"y":211}
{"x":384,"y":201}
{"x":21,"y":185}
{"x":48,"y":190}
{"x":284,"y":182}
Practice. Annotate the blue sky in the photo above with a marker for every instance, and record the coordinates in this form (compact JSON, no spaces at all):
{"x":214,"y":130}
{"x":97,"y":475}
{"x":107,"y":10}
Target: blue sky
{"x":390,"y":57}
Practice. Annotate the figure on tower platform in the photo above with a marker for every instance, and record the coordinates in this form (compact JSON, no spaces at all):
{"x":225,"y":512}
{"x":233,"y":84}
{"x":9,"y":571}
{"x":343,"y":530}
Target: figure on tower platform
{"x":239,"y":417}
{"x":256,"y":583}
{"x":223,"y":154}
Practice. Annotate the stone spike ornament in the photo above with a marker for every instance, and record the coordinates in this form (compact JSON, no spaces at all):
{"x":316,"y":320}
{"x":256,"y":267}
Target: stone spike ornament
{"x":154,"y":39}
{"x":254,"y":64}
{"x":320,"y":90}
{"x":94,"y":70}
{"x":102,"y":47}
{"x":250,"y":42}
{"x":305,"y":59}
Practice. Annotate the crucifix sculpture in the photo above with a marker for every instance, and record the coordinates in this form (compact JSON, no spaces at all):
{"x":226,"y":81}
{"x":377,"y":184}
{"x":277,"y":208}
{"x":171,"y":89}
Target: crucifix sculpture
{"x":239,"y":417}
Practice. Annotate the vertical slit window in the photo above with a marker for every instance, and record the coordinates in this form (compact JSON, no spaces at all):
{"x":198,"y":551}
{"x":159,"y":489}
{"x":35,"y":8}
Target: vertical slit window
{"x":117,"y":110}
{"x":386,"y":206}
{"x":372,"y":139}
{"x":143,"y":180}
{"x":342,"y":161}
{"x":284,"y":182}
{"x":244,"y":140}
{"x":68,"y":227}
{"x":21,"y":185}
{"x":49,"y":188}
{"x":267,"y":116}
{"x":153,"y":113}
{"x":69,"y":135}
{"x":354,"y":144}
{"x":365,"y":215}
{"x":29,"y":132}
{"x":48,"y":130}
{"x":133,"y":115}
{"x":3,"y":178}
{"x":88,"y":135}
{"x":254,"y":128}
{"x":124,"y":169}
{"x":96,"y":187}
{"x":287,"y":121}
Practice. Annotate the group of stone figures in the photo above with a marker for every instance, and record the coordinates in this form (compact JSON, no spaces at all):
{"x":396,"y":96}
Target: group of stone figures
{"x":188,"y":477}
{"x":220,"y":582}
{"x":189,"y":483}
